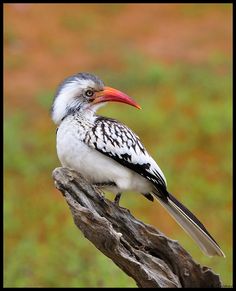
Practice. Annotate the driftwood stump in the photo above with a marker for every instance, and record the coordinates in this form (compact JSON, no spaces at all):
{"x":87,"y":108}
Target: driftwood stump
{"x":140,"y":250}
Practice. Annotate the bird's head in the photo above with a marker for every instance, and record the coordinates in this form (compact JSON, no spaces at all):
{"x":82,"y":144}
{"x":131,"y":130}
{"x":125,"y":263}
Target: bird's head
{"x":84,"y":91}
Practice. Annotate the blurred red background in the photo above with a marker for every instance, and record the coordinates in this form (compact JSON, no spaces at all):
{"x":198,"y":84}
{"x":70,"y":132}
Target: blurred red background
{"x":175,"y":59}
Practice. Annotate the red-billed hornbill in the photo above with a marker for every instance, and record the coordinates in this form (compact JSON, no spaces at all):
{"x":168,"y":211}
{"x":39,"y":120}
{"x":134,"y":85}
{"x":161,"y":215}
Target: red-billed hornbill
{"x":108,"y":154}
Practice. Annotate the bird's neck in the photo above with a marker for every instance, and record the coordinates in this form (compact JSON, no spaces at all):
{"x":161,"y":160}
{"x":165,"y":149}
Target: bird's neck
{"x":86,"y":116}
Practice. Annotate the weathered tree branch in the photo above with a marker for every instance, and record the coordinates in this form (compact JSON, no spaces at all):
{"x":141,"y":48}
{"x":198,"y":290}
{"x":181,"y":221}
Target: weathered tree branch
{"x":140,"y":250}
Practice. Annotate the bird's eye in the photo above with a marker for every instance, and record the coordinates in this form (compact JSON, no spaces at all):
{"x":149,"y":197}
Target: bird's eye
{"x":89,"y":93}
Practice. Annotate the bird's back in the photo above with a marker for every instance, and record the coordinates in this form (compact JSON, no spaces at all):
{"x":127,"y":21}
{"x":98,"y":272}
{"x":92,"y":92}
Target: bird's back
{"x":115,"y":140}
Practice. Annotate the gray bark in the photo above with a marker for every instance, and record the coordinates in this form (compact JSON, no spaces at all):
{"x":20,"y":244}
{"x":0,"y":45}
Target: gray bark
{"x":140,"y":250}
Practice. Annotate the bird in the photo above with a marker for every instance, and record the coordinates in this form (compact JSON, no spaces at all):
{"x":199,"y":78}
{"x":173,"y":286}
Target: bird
{"x":109,"y":155}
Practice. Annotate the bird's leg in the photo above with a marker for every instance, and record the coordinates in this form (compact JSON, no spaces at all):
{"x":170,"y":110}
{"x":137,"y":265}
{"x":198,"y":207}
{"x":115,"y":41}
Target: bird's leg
{"x":117,"y":198}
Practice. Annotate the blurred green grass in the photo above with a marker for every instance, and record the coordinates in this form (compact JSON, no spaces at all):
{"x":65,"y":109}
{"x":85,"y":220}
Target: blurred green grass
{"x":186,"y":124}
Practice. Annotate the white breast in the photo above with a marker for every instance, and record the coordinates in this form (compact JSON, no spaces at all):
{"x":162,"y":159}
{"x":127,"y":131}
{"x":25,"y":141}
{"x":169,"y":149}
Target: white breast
{"x":94,"y":166}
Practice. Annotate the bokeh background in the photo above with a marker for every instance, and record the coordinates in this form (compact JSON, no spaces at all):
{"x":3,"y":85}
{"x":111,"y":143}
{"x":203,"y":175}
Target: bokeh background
{"x":175,"y":60}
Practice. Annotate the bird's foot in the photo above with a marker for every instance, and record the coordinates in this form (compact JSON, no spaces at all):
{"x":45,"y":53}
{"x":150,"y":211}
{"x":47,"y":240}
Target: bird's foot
{"x":117,"y":199}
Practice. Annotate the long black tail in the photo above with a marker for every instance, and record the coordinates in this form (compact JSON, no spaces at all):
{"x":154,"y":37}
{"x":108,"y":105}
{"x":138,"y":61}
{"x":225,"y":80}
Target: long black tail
{"x":189,"y":222}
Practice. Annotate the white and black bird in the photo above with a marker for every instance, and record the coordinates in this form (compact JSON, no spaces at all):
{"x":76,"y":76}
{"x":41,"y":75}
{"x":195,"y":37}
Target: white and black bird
{"x":110,"y":155}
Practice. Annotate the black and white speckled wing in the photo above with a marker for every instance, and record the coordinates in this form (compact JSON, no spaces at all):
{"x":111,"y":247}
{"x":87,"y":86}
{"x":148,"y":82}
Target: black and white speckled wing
{"x":117,"y":141}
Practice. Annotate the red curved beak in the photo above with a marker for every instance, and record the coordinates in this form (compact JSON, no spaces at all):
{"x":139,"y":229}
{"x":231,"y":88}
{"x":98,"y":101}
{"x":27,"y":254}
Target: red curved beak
{"x":111,"y":94}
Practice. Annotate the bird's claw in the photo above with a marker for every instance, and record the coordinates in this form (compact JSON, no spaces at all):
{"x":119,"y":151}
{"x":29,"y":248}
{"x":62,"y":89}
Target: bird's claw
{"x":117,"y":199}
